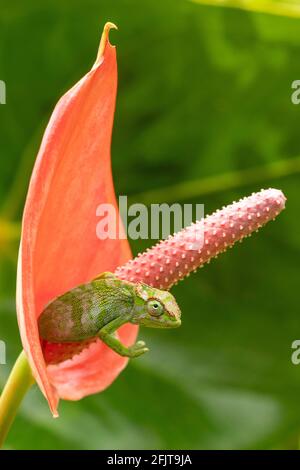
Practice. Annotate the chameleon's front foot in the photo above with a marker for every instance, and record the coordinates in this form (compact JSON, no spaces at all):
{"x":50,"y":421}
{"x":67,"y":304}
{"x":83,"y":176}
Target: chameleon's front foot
{"x":137,"y":349}
{"x":115,"y":344}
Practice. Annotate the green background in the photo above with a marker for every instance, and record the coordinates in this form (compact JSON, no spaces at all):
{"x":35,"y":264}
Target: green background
{"x":203,"y":91}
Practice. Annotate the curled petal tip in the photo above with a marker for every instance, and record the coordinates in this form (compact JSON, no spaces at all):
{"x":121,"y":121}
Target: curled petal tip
{"x":109,"y":25}
{"x":104,"y":40}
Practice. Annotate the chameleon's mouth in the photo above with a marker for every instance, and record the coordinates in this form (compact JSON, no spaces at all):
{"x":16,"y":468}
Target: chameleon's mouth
{"x":174,"y":324}
{"x":166,"y":324}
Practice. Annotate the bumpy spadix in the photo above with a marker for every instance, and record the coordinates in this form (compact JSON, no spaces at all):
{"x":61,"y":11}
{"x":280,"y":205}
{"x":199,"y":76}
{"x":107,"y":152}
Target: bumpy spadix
{"x":173,"y":259}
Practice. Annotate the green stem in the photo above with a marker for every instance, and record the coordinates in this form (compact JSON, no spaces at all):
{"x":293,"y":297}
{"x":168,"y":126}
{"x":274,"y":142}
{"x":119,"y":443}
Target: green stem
{"x":270,"y":7}
{"x":217,"y":183}
{"x":18,"y":383}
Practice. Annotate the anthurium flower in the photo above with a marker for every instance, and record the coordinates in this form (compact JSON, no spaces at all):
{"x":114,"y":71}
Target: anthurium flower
{"x":59,"y":248}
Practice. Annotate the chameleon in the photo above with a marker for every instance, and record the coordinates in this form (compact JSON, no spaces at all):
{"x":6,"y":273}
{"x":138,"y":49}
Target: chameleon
{"x":98,"y":308}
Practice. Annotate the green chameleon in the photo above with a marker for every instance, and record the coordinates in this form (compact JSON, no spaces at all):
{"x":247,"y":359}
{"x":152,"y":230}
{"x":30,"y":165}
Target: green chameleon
{"x":100,"y":307}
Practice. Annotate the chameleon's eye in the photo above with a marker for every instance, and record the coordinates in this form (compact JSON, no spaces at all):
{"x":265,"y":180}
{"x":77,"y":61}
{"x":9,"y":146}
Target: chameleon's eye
{"x":155,"y":308}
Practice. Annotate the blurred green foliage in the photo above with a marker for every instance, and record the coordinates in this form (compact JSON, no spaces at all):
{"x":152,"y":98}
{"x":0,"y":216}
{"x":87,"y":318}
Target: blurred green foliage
{"x":202,"y":91}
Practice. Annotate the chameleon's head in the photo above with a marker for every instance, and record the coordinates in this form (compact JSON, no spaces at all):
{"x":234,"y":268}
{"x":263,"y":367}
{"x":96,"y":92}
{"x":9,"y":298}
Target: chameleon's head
{"x":155,"y":308}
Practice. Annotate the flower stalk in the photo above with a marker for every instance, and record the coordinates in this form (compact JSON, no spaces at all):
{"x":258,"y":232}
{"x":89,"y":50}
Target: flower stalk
{"x":17,"y":385}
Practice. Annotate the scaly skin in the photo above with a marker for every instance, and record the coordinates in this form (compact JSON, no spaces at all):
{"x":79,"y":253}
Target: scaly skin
{"x":99,"y":308}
